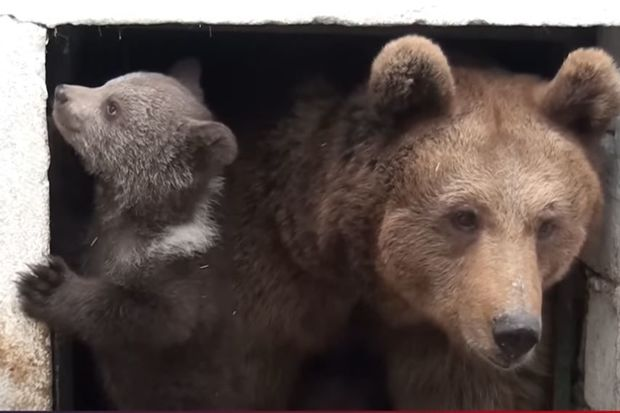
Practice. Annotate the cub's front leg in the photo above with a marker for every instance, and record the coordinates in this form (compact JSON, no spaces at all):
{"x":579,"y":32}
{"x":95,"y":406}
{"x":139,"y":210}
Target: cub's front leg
{"x":106,"y":314}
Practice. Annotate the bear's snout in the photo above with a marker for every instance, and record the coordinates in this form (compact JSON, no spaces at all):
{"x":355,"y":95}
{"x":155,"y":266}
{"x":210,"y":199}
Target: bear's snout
{"x":72,"y":106}
{"x":516,"y":334}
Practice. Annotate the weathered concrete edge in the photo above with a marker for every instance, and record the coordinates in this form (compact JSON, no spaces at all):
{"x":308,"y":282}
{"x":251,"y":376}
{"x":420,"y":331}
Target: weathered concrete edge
{"x":602,"y":324}
{"x":394,"y":12}
{"x":25,"y":357}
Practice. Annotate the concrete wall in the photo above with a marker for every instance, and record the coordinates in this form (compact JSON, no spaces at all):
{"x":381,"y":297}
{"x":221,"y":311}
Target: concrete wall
{"x":602,"y":330}
{"x":25,"y":370}
{"x":455,"y":12}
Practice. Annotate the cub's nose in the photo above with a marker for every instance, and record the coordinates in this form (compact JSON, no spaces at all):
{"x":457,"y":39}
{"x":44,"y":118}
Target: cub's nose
{"x":60,"y":94}
{"x":516,"y":334}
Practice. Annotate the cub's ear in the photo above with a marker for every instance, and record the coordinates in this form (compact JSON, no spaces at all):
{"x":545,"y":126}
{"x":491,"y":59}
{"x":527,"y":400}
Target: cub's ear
{"x":584,"y":95}
{"x":411,"y":73}
{"x":216,"y":138}
{"x":188,"y":72}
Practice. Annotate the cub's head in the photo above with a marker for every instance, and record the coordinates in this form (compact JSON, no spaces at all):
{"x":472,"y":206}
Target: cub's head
{"x":493,"y":188}
{"x":147,"y":133}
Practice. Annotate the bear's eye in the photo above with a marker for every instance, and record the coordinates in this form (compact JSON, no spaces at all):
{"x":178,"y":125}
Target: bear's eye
{"x":111,"y":109}
{"x":546,"y":229}
{"x":465,"y":220}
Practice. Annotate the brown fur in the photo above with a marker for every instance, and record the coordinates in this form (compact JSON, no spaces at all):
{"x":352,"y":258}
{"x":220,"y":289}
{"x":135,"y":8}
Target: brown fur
{"x":585,"y":94}
{"x":359,"y":199}
{"x":416,"y":77}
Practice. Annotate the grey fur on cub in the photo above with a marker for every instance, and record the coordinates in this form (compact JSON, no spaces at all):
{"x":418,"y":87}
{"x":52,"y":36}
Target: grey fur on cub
{"x":145,"y":300}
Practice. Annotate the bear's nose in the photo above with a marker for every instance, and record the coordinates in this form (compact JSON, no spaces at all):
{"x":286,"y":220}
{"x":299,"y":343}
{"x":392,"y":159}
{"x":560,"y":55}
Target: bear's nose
{"x":60,"y":94}
{"x":516,"y":334}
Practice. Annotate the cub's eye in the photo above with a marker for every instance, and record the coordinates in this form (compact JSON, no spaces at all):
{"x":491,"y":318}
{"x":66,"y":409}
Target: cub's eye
{"x":111,"y":109}
{"x":546,"y":229}
{"x":465,"y":220}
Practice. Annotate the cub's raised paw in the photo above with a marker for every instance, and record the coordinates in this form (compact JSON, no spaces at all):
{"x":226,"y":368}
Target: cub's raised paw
{"x":36,"y":288}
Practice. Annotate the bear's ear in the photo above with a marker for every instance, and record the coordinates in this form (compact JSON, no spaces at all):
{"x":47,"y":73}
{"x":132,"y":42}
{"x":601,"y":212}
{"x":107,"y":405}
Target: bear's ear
{"x":188,"y":73}
{"x":584,"y":95}
{"x":216,"y":138}
{"x":411,"y":73}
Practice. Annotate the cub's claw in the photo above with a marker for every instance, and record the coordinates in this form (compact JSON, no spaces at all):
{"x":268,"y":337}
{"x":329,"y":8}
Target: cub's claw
{"x":37,"y":286}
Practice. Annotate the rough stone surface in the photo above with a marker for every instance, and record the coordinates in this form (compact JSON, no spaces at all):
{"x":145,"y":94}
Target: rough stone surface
{"x":524,"y":12}
{"x":25,"y":369}
{"x":601,"y":251}
{"x":602,"y":328}
{"x":602,"y":385}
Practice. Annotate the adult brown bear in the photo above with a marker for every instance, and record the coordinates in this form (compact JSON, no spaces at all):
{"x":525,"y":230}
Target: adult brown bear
{"x":445,"y":199}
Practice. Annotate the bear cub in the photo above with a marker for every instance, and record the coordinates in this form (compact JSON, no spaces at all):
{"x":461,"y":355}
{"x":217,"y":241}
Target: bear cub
{"x":145,"y":299}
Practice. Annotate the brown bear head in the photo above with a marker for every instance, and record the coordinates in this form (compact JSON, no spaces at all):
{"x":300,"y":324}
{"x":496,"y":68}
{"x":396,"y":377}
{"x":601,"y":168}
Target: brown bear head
{"x":493,"y":188}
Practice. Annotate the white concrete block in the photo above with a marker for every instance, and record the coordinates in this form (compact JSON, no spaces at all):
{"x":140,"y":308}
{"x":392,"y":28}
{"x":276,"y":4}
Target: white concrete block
{"x":393,"y":12}
{"x":25,"y":368}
